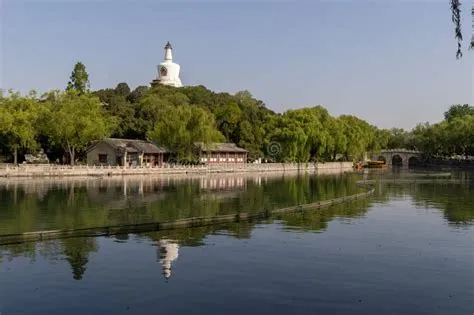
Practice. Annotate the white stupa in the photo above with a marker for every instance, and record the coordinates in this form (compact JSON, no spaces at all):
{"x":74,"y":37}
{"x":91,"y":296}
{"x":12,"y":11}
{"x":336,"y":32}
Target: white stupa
{"x":168,"y":71}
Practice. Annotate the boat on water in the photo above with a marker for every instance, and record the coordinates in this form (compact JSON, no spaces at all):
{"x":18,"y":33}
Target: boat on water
{"x":375,"y":164}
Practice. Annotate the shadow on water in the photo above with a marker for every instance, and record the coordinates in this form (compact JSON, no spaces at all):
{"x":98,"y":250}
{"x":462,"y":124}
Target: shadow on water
{"x":92,"y":203}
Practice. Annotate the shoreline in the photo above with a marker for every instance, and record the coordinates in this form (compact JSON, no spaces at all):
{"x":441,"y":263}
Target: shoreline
{"x":54,"y":171}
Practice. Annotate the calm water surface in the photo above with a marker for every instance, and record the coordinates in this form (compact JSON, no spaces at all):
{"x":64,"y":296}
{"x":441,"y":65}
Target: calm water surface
{"x":407,"y":250}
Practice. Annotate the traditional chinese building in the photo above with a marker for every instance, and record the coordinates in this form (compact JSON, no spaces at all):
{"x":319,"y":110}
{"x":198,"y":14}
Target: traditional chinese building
{"x":126,"y":152}
{"x":224,"y":153}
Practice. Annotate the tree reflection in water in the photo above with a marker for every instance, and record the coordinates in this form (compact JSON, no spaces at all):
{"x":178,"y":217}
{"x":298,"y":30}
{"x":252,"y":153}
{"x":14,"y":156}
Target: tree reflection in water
{"x":77,"y":251}
{"x":95,"y":204}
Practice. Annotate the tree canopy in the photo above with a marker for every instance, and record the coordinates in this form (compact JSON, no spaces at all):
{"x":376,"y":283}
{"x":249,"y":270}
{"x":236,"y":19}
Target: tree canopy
{"x":178,"y":128}
{"x":66,"y":123}
{"x":18,"y":119}
{"x":456,"y":111}
{"x":75,"y":120}
{"x":178,"y":117}
{"x":452,"y":136}
{"x":79,"y":79}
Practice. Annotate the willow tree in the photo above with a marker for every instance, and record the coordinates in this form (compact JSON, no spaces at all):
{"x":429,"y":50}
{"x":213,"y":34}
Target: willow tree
{"x":360,"y":135}
{"x":337,"y":140}
{"x":456,"y":17}
{"x":312,"y":123}
{"x":179,"y":127}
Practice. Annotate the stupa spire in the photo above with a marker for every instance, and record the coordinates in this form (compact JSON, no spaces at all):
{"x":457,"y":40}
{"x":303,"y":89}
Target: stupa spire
{"x":168,"y":54}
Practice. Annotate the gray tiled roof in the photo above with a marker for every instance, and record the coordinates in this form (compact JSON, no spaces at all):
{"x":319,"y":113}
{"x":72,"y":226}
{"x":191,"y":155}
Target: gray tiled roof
{"x":219,"y":147}
{"x":134,"y":146}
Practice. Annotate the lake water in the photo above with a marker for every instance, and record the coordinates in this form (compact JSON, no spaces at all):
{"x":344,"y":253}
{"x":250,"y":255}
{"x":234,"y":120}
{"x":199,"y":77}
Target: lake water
{"x":409,"y":249}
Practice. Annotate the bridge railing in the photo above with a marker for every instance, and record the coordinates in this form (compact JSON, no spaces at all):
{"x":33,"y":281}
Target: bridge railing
{"x":400,"y":151}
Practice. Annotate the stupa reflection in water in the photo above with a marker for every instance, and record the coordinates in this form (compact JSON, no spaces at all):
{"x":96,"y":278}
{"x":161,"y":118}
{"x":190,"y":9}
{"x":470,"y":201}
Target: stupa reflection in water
{"x":168,"y":252}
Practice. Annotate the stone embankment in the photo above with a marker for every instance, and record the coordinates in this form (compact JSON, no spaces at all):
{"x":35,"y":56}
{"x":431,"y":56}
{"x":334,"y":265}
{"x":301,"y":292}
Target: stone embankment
{"x":26,"y":170}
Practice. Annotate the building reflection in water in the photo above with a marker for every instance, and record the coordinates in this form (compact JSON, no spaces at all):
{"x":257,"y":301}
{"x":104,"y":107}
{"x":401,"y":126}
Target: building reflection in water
{"x":122,"y":188}
{"x":168,"y":252}
{"x":214,"y":183}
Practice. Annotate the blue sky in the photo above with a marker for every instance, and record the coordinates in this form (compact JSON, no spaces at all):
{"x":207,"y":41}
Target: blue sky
{"x":391,"y":63}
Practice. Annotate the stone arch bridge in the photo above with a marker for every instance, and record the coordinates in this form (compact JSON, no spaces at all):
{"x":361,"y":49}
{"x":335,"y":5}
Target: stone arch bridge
{"x":399,"y":157}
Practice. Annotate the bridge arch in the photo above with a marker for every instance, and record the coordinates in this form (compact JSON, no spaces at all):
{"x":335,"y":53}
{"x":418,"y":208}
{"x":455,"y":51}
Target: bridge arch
{"x":397,"y":160}
{"x":413,"y":161}
{"x":399,"y":157}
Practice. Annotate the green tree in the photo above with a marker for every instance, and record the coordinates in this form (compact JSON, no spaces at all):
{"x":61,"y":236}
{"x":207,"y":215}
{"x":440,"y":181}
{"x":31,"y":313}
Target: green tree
{"x":18,"y":118}
{"x":241,"y":118}
{"x":337,"y":140}
{"x":251,"y":138}
{"x":458,"y":111}
{"x":379,"y":141}
{"x":79,"y":79}
{"x":136,"y":95}
{"x":398,"y":138}
{"x":458,"y":135}
{"x":75,"y":120}
{"x":452,"y":136}
{"x":178,"y":128}
{"x":122,"y":89}
{"x":312,"y":123}
{"x":152,"y":104}
{"x":228,"y":118}
{"x":124,"y":112}
{"x":359,"y":136}
{"x":116,"y":103}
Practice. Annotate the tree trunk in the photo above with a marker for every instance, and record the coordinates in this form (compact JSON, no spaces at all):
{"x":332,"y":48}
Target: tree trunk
{"x":15,"y":155}
{"x":71,"y":154}
{"x":71,"y":151}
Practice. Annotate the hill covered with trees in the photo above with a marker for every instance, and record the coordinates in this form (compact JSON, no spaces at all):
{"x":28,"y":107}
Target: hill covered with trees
{"x":64,"y":123}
